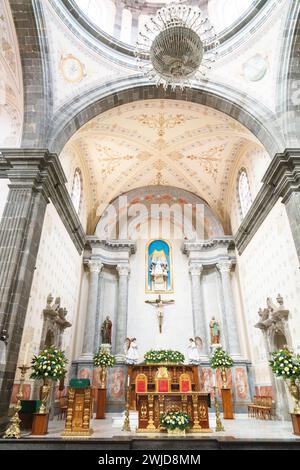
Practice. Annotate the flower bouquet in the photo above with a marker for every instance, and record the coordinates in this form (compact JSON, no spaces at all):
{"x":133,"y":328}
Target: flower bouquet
{"x":286,"y":364}
{"x":50,"y":364}
{"x":163,"y":356}
{"x":176,"y":422}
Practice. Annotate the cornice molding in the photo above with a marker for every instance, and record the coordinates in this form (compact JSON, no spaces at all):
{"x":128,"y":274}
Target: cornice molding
{"x":207,"y":245}
{"x":281,"y":179}
{"x":110,"y":245}
{"x":42,"y":171}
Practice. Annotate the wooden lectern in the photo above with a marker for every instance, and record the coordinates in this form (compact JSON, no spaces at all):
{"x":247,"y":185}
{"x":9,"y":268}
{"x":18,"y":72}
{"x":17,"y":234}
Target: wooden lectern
{"x":79,"y":408}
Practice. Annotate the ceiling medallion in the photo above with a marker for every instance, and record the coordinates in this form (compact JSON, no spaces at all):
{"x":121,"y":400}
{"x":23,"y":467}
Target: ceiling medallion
{"x":177,"y":45}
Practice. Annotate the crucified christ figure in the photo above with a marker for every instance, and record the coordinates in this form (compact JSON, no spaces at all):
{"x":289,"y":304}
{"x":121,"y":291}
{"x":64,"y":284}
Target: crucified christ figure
{"x":159,"y":305}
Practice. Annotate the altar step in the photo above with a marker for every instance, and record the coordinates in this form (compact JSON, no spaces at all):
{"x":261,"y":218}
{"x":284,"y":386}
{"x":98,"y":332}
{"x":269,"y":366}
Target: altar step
{"x":118,"y":419}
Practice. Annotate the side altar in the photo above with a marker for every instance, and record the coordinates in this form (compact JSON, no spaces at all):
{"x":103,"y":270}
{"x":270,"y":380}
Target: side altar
{"x":146,"y":378}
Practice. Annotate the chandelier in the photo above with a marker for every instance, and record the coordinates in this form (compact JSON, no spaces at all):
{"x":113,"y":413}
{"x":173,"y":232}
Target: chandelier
{"x":175,"y":46}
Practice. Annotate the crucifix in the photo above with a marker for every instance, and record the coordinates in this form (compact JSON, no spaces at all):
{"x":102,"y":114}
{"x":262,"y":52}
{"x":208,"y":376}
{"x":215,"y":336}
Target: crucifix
{"x":159,"y":305}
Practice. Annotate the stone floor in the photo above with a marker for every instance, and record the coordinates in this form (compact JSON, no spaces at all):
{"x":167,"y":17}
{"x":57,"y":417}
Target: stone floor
{"x":241,"y":427}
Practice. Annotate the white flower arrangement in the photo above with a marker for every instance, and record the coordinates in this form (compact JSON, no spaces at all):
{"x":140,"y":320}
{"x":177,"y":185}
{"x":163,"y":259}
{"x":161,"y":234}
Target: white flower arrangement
{"x":102,"y":358}
{"x":50,"y":363}
{"x":221,"y":359}
{"x":164,"y":356}
{"x":285,"y":364}
{"x":175,"y":420}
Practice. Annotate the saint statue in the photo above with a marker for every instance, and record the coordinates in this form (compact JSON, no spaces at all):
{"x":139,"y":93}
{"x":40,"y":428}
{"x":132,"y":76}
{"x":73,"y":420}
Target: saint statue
{"x":106,"y":331}
{"x":194,"y":347}
{"x":131,"y":351}
{"x":159,"y":271}
{"x":215,"y":331}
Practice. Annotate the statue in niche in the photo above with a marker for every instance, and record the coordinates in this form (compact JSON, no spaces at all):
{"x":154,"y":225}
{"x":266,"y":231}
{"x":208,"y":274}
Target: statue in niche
{"x":106,"y":331}
{"x":194,"y":348}
{"x":131,"y":351}
{"x":158,"y":264}
{"x":215,"y":331}
{"x":159,"y":271}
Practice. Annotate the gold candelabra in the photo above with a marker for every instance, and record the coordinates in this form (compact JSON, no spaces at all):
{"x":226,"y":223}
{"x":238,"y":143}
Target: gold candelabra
{"x":219,"y":425}
{"x":126,"y":424}
{"x":13,"y":431}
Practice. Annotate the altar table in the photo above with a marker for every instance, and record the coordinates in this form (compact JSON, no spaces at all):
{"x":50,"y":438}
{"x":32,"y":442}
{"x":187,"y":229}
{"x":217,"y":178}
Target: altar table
{"x":151,"y":405}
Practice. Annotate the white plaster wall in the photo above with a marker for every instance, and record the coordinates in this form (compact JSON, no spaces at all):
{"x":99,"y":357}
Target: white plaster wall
{"x":269,"y":266}
{"x":58,"y":271}
{"x":3,"y":194}
{"x":142,"y":321}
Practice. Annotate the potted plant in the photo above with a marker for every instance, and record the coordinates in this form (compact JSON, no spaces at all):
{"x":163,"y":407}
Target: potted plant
{"x":103,"y":359}
{"x":286,"y":364}
{"x":49,"y":365}
{"x":176,"y":422}
{"x":163,"y":356}
{"x":221,"y":360}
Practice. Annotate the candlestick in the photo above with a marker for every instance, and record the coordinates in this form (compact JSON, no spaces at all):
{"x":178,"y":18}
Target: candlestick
{"x":219,"y":425}
{"x":13,"y":431}
{"x":126,"y":424}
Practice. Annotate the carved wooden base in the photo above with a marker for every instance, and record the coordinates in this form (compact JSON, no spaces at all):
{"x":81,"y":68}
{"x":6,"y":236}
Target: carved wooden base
{"x":101,"y":402}
{"x":40,"y":424}
{"x":227,"y":403}
{"x":296,"y":423}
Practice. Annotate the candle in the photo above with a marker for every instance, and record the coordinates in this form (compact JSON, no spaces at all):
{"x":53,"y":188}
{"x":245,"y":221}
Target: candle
{"x":128,"y":381}
{"x":26,"y":353}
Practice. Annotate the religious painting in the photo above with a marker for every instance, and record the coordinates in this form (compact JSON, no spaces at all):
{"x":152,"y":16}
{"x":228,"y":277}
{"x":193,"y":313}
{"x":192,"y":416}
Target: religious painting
{"x":116,"y":384}
{"x":159,"y":277}
{"x":241,"y":383}
{"x":84,"y":373}
{"x":206,"y":379}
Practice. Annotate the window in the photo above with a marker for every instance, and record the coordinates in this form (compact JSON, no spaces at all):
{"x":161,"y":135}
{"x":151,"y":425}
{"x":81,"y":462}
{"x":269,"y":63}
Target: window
{"x":244,"y":192}
{"x":76,"y":194}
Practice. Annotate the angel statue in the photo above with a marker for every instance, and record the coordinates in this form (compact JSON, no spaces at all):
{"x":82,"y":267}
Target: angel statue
{"x":131,"y":351}
{"x":194,"y":348}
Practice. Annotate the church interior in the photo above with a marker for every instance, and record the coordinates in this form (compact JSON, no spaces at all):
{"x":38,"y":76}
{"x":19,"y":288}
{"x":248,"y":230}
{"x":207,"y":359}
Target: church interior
{"x":150,"y":223}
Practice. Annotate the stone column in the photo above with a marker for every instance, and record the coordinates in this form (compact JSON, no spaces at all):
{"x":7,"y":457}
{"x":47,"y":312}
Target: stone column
{"x":230,"y":323}
{"x":135,"y":25}
{"x":90,"y":323}
{"x":118,"y":18}
{"x":99,"y":313}
{"x":121,"y":321}
{"x":197,"y":304}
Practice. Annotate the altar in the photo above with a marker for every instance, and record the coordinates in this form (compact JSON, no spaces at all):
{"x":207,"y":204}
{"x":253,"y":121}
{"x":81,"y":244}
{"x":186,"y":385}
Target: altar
{"x":151,"y":406}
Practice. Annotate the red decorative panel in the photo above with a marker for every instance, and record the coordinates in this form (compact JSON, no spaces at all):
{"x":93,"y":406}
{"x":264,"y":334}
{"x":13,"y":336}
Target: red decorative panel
{"x":185,"y":386}
{"x":163,"y":385}
{"x":141,"y":386}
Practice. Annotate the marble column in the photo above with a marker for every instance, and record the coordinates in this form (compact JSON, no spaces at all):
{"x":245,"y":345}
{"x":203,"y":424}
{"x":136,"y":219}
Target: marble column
{"x":230,"y":322}
{"x":90,"y":324}
{"x":121,"y":321}
{"x":197,"y":305}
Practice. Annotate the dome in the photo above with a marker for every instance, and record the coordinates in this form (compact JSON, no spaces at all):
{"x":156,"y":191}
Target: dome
{"x":123,"y":19}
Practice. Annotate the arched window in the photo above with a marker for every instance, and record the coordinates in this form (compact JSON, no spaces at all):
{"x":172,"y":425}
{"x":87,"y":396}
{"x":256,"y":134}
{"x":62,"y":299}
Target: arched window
{"x":244,"y":192}
{"x":76,"y":193}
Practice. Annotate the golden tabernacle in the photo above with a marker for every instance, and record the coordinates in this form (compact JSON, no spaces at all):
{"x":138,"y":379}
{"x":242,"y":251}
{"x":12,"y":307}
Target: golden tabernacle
{"x":151,"y":406}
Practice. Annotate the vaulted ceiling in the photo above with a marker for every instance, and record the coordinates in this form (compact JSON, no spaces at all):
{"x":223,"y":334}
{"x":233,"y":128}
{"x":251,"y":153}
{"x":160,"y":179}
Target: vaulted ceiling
{"x":162,"y":142}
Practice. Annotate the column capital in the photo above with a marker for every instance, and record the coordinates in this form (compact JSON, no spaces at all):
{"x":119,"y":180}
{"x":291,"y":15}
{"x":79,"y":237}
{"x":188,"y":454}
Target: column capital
{"x":95,"y":266}
{"x":123,"y":269}
{"x":224,"y":266}
{"x":195,"y":269}
{"x":41,"y":171}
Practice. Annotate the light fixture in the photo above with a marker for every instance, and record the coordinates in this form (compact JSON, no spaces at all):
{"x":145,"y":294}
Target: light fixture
{"x":176,"y":45}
